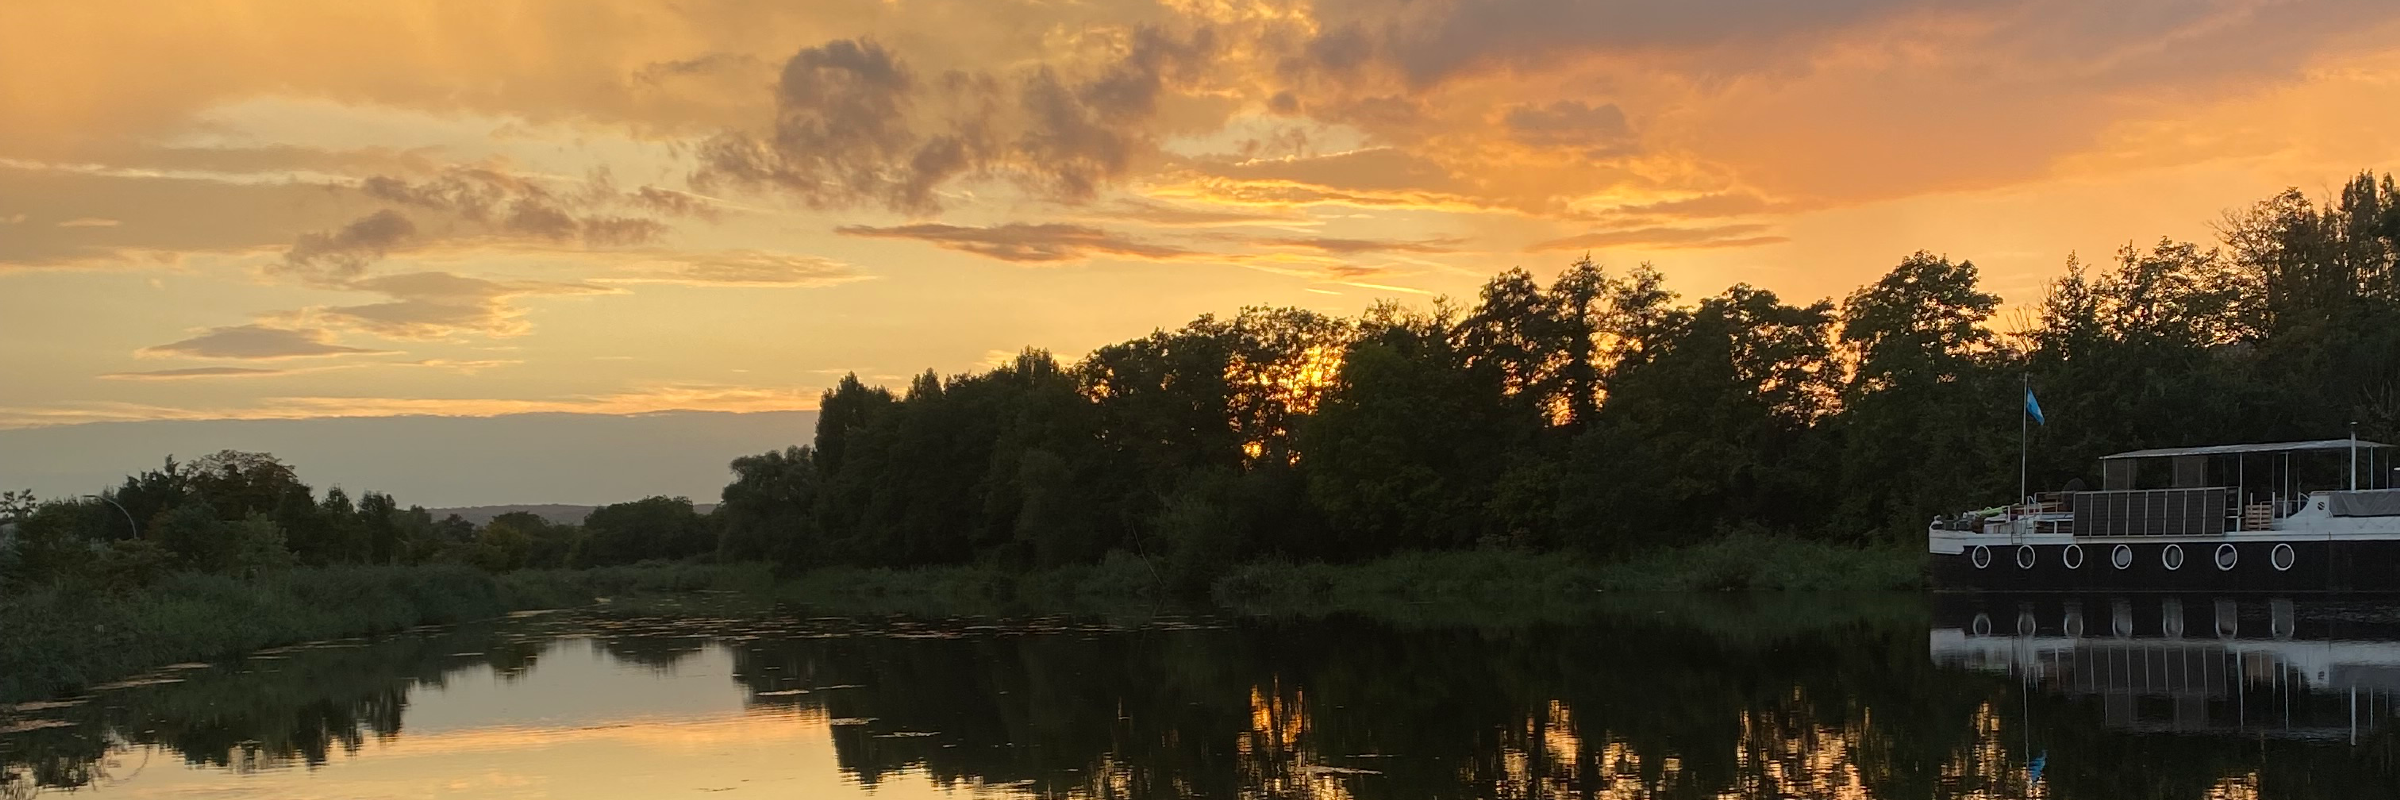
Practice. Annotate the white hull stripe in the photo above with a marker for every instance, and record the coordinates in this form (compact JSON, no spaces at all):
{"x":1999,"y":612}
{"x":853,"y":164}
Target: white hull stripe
{"x":1939,"y":544}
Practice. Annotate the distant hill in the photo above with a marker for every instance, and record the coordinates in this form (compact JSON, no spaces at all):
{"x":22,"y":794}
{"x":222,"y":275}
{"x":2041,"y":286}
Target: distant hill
{"x":482,"y":515}
{"x":556,"y":513}
{"x":566,"y":459}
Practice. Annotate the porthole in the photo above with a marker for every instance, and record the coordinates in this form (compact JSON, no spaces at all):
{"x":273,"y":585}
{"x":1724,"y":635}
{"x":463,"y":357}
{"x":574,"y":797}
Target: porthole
{"x":1982,"y":626}
{"x":1981,"y":555}
{"x":2172,"y":557}
{"x":2122,"y":557}
{"x":2073,"y":624}
{"x":2025,"y":556}
{"x":2229,"y":620}
{"x":2227,"y":557}
{"x":2120,"y":619}
{"x":2072,"y":556}
{"x":2282,"y":557}
{"x":2171,"y":619}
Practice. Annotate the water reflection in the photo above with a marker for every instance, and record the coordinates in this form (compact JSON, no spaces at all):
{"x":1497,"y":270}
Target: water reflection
{"x":2218,"y":666}
{"x":1641,"y":698}
{"x":2195,"y":697}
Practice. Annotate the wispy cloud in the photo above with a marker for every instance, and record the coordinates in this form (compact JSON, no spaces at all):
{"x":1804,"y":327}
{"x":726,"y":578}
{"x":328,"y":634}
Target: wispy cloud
{"x":345,"y":253}
{"x":1665,"y":238}
{"x":196,"y":373}
{"x":435,"y":305}
{"x":1025,"y":242}
{"x":1152,"y":212}
{"x":1341,"y":246}
{"x":748,"y":268}
{"x":257,"y":342}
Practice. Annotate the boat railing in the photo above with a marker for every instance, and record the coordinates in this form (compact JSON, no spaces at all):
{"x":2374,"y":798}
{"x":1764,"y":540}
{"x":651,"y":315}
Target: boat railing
{"x":2191,"y":511}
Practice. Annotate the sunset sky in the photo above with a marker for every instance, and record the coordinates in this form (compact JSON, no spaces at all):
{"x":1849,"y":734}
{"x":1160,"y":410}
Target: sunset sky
{"x":297,"y":209}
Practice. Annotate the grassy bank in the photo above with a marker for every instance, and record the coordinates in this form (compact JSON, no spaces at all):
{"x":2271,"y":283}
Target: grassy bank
{"x":1470,"y":583}
{"x":1519,"y":580}
{"x":59,"y":639}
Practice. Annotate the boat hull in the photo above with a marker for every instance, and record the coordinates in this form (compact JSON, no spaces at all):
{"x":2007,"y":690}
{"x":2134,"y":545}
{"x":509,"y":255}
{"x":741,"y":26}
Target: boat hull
{"x":2256,"y":564}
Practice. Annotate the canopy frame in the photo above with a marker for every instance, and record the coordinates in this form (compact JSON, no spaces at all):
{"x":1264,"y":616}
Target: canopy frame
{"x":2239,"y":449}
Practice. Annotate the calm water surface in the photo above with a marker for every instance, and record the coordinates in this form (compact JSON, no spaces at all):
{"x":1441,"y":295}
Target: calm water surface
{"x":1645,"y":698}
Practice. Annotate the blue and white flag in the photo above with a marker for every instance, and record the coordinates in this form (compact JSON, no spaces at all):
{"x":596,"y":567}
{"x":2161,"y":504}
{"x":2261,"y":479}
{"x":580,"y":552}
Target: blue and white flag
{"x":2034,"y":407}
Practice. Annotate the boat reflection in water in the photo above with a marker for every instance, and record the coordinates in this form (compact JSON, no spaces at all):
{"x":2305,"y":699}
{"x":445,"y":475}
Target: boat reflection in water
{"x":2251,"y":667}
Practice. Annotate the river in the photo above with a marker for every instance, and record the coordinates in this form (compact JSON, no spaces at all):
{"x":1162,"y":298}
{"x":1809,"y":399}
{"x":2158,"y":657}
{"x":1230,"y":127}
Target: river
{"x":1640,"y":697}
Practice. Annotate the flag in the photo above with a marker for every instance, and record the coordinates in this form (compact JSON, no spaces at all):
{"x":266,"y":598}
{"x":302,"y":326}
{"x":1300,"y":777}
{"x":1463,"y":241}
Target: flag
{"x":2034,"y":407}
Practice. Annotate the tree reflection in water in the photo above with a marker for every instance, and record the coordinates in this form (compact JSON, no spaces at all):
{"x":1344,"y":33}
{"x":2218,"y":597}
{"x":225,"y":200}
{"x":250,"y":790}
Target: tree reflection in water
{"x":1664,"y":698}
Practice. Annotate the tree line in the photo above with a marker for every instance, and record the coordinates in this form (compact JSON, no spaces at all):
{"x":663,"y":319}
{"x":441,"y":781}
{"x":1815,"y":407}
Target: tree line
{"x":243,"y":513}
{"x":1599,"y":412}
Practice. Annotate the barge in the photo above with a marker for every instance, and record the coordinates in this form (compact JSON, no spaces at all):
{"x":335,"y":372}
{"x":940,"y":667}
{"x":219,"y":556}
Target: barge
{"x":2223,"y":518}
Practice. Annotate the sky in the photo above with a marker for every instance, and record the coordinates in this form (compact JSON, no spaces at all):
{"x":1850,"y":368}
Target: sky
{"x":429,"y":460}
{"x":291,"y":210}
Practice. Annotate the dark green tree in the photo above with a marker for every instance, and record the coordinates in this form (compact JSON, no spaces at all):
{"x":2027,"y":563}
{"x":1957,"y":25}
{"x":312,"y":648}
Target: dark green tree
{"x":1929,"y":409}
{"x":769,"y":510}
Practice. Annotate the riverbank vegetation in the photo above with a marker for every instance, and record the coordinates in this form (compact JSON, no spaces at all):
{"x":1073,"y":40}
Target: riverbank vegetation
{"x":65,"y":636}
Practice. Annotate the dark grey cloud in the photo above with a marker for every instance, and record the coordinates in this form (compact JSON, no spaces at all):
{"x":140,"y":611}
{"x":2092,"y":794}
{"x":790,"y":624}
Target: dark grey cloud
{"x":1667,"y":238}
{"x":429,"y":305}
{"x":2120,"y":45}
{"x":707,"y":64}
{"x":1025,"y":242}
{"x":541,"y":220}
{"x":841,"y":134}
{"x":1340,"y":49}
{"x":675,"y":204}
{"x":1598,"y":130}
{"x":619,"y":231}
{"x":517,"y":206}
{"x":346,"y":252}
{"x":258,"y":342}
{"x":1435,"y":41}
{"x":856,"y":126}
{"x":473,"y":193}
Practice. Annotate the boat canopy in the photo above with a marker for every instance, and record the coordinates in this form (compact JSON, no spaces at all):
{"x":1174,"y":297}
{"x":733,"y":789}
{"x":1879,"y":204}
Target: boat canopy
{"x":2233,"y":449}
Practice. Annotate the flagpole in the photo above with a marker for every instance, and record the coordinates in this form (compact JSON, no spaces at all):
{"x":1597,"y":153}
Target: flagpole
{"x":2024,"y":429}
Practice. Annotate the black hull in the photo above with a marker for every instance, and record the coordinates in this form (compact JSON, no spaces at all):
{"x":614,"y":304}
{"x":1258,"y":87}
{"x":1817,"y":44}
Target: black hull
{"x":2360,"y":566}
